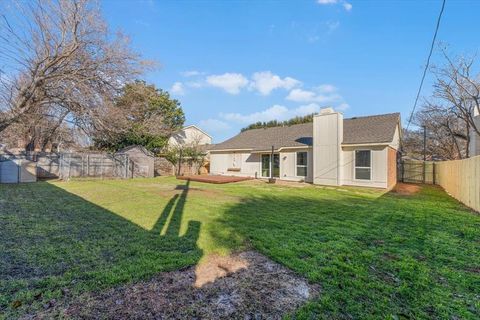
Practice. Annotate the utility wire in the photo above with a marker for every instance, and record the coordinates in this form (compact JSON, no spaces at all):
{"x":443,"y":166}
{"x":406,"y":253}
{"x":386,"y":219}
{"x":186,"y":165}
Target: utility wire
{"x":428,"y":63}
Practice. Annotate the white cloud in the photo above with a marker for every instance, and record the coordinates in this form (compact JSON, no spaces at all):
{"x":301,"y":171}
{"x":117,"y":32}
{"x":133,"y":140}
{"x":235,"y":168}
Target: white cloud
{"x":191,"y":73}
{"x":327,"y":1}
{"x":326,"y":88}
{"x":178,"y":88}
{"x":230,"y":82}
{"x":265,"y":82}
{"x":346,"y":5}
{"x":275,"y":112}
{"x":214,"y":125}
{"x":300,"y":95}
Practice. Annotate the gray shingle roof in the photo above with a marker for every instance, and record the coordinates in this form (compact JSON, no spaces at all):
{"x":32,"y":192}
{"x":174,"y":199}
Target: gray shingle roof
{"x":370,"y":129}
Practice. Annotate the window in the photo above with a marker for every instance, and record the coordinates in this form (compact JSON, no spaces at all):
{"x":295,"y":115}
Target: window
{"x":301,"y":164}
{"x":363,"y":164}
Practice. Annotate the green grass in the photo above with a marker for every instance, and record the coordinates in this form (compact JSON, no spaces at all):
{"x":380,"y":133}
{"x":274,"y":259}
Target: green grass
{"x":374,"y":254}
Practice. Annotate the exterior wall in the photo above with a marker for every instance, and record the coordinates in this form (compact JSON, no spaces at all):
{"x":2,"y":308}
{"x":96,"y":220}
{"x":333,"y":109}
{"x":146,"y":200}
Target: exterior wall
{"x":189,"y":136}
{"x":395,"y":144}
{"x":475,"y":139}
{"x":379,"y":167}
{"x":249,"y":164}
{"x":243,"y":164}
{"x":288,"y":165}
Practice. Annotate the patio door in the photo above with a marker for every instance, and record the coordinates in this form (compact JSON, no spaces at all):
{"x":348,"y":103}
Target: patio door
{"x":266,"y":165}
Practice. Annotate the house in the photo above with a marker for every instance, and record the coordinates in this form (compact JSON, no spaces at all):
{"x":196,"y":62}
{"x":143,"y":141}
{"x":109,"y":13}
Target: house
{"x":142,"y":161}
{"x":474,"y":137}
{"x":190,"y":136}
{"x":360,"y":151}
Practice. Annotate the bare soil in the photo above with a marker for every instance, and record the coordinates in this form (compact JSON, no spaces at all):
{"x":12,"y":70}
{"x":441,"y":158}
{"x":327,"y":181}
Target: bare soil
{"x":245,"y":285}
{"x":405,"y":189}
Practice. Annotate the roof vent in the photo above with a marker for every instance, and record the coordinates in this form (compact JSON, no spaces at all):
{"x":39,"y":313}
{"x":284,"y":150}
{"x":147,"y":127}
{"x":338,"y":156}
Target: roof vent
{"x":327,"y":110}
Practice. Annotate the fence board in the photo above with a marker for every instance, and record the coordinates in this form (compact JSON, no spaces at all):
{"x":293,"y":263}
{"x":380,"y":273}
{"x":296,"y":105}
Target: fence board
{"x":461,"y":179}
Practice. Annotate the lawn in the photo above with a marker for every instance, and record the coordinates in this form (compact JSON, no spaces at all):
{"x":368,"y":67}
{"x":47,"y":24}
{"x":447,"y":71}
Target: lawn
{"x":374,"y":254}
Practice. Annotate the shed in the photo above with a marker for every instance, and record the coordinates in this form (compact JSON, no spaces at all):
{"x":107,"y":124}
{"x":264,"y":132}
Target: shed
{"x":142,"y":161}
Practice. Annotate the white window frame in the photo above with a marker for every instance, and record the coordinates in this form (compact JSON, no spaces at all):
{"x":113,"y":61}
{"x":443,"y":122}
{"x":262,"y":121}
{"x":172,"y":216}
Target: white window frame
{"x":296,"y":165}
{"x":355,"y":165}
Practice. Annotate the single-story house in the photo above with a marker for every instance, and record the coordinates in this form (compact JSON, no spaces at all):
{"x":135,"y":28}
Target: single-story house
{"x":360,"y":151}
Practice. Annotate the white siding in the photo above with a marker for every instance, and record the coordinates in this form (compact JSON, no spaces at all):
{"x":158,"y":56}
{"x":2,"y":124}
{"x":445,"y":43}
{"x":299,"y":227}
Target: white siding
{"x":221,"y":162}
{"x":327,"y":136}
{"x":475,"y":139}
{"x":395,"y":144}
{"x":288,"y":165}
{"x":379,"y":167}
{"x":189,"y":136}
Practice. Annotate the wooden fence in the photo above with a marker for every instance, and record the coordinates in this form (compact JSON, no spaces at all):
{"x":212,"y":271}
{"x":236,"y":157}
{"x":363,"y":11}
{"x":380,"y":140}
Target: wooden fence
{"x":461,"y":179}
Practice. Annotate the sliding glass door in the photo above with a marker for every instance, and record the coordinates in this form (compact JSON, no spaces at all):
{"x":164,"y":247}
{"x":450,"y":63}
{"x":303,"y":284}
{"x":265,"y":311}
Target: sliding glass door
{"x":266,"y":165}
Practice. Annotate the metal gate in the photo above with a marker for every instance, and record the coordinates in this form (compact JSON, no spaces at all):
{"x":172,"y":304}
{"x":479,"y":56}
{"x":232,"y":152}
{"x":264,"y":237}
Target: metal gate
{"x":413,"y":171}
{"x":15,"y":169}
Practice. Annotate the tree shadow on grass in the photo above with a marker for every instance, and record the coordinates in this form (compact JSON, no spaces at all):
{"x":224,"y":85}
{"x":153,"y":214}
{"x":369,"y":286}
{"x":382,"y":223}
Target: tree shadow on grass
{"x":389,"y":256}
{"x":54,"y":243}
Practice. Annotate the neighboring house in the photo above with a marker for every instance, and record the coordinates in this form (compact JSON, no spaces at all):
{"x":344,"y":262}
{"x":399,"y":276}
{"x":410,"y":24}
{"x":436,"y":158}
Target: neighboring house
{"x":142,"y":161}
{"x":190,"y":136}
{"x":474,"y":137}
{"x":360,"y":151}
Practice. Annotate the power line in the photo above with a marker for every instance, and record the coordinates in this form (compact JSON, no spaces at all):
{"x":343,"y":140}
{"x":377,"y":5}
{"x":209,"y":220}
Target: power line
{"x":428,"y":63}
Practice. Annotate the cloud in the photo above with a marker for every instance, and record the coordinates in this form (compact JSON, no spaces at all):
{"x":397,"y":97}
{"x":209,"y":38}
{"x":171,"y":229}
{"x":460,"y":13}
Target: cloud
{"x":346,"y":5}
{"x":275,"y":112}
{"x":326,"y":88}
{"x":214,"y":125}
{"x":318,"y":96}
{"x":230,"y":82}
{"x":191,"y":73}
{"x":327,"y":1}
{"x":178,"y":88}
{"x":265,"y":82}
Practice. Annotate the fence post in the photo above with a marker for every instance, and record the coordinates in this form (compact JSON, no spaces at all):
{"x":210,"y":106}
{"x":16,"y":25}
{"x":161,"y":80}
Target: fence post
{"x":88,"y":165}
{"x":125,"y":163}
{"x":402,"y":166}
{"x":433,"y":173}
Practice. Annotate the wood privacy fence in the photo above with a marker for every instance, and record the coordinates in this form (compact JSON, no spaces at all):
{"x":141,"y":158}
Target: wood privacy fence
{"x":460,"y":178}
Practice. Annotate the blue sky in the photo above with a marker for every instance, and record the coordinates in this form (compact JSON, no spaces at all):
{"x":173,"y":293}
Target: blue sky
{"x":231,"y":63}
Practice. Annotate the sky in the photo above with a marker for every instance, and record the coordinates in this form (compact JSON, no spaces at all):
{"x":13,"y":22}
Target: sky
{"x":232,"y":63}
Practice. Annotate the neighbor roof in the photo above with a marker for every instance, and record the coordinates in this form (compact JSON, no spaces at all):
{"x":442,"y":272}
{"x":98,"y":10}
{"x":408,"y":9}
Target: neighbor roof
{"x":358,"y":130}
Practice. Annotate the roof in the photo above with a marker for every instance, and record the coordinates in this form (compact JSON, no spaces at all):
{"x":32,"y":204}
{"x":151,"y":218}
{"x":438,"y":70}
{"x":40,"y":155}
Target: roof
{"x":136,"y":147}
{"x":358,"y":130}
{"x":371,"y":129}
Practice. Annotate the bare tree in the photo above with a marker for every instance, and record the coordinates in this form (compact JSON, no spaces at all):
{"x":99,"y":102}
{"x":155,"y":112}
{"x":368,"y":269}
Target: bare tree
{"x":459,"y":88}
{"x":59,"y":59}
{"x":447,"y":133}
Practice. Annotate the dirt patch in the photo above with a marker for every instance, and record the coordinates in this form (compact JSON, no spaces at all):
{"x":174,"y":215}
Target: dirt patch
{"x":405,"y":189}
{"x":246,"y":285}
